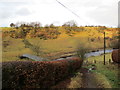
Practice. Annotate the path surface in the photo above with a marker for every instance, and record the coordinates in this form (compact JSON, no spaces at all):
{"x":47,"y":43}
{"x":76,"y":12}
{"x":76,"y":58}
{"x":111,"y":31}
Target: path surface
{"x":88,"y":79}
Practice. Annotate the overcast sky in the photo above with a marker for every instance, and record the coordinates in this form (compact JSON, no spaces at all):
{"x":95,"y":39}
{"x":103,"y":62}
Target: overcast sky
{"x":90,"y":12}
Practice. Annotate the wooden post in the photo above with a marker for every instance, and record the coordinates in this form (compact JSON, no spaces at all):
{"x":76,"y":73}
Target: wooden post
{"x":104,"y":48}
{"x":109,"y":60}
{"x":94,"y":61}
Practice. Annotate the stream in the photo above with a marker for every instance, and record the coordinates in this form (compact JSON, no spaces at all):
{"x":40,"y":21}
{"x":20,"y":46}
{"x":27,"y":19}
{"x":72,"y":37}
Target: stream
{"x":98,"y":53}
{"x":90,"y":54}
{"x":93,"y":53}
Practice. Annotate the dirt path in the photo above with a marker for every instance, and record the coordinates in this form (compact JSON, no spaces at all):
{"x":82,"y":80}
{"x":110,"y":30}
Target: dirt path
{"x":88,"y":79}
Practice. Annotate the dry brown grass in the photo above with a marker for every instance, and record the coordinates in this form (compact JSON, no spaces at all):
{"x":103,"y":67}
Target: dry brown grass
{"x":76,"y":82}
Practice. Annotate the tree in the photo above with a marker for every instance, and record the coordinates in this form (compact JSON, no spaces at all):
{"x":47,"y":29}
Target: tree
{"x":71,"y":23}
{"x":12,"y":25}
{"x":46,"y":26}
{"x":52,"y":26}
{"x":35,"y":24}
{"x":102,"y":28}
{"x":82,"y":49}
{"x":36,"y":48}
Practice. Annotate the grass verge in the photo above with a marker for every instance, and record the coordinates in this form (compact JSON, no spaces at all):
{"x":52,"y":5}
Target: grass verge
{"x":109,"y":71}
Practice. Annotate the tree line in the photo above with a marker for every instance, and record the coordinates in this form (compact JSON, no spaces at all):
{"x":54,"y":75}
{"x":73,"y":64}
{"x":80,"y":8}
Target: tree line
{"x":35,"y":29}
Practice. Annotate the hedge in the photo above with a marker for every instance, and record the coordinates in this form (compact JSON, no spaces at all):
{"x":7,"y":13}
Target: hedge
{"x":37,"y":74}
{"x":116,"y":56}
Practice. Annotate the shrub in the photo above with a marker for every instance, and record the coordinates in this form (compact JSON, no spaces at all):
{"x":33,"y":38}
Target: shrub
{"x":82,"y":50}
{"x":35,"y":74}
{"x":116,"y":56}
{"x":48,"y":33}
{"x":36,"y":48}
{"x":114,"y":44}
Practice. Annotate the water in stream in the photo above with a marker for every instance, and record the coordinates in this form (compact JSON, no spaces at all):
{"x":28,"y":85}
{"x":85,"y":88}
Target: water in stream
{"x":96,"y":53}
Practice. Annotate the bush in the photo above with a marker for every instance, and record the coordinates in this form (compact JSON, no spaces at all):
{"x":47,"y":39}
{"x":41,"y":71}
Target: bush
{"x":36,"y":48}
{"x":116,"y":56}
{"x":114,"y":44}
{"x":48,"y":33}
{"x":82,"y":50}
{"x":35,"y":74}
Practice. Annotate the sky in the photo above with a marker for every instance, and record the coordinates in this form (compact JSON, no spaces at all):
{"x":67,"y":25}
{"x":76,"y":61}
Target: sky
{"x":90,"y":12}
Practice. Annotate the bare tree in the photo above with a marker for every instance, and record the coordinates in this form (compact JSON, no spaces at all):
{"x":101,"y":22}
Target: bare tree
{"x":82,"y":49}
{"x":71,"y":23}
{"x":36,"y":48}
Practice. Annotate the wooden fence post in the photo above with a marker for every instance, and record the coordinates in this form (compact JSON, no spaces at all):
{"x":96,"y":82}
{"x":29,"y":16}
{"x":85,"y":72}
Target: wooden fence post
{"x":94,"y":61}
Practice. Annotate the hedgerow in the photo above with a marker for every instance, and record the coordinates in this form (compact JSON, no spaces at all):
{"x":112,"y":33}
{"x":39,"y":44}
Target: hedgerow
{"x":36,"y":74}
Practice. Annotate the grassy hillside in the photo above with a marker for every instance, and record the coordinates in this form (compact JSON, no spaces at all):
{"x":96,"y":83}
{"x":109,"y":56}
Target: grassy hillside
{"x":91,"y":36}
